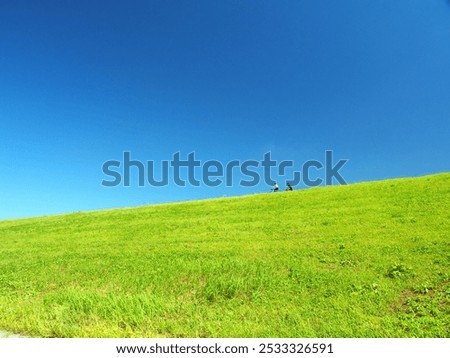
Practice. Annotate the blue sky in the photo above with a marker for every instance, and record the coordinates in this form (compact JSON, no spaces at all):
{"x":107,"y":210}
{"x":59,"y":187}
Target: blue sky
{"x":83,"y":81}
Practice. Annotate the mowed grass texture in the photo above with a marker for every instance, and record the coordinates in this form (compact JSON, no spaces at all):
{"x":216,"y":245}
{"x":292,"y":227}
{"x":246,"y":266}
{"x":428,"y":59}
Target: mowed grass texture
{"x":363,"y":260}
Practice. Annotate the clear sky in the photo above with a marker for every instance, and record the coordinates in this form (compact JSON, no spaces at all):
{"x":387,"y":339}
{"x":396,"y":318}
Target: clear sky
{"x":83,"y":81}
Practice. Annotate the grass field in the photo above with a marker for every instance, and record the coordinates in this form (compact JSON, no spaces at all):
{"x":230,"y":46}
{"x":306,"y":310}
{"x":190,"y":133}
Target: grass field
{"x":363,"y":260}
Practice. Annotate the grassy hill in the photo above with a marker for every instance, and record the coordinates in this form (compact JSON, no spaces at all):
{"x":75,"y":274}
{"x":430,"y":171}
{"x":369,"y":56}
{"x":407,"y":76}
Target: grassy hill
{"x":363,"y":260}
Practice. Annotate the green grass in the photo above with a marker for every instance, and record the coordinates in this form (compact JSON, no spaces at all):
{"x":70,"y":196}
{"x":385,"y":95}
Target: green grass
{"x":363,"y":260}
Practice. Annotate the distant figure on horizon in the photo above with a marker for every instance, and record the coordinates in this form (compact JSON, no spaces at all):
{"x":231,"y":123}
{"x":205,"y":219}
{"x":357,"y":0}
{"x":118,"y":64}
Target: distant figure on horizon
{"x":289,"y":187}
{"x":275,"y":187}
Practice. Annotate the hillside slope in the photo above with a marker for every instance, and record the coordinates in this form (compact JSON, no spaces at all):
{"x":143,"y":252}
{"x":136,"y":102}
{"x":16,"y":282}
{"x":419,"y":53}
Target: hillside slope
{"x":362,"y":260}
